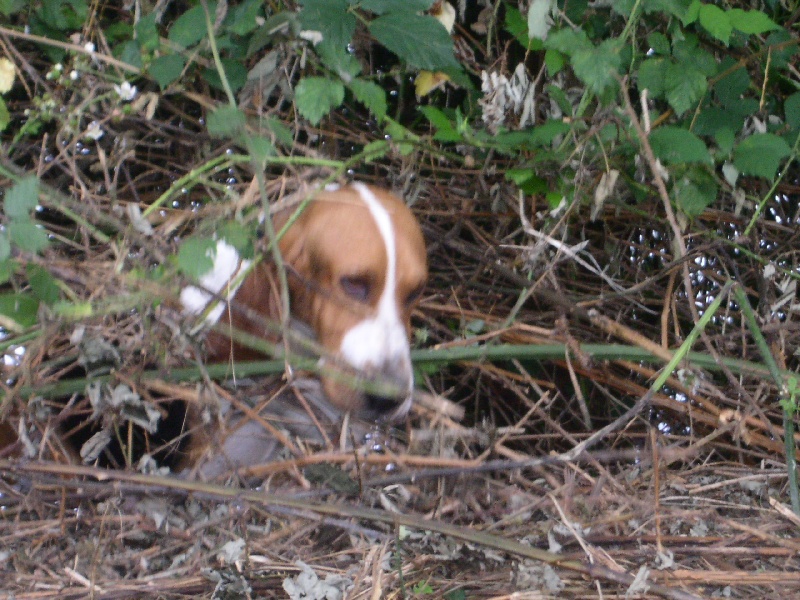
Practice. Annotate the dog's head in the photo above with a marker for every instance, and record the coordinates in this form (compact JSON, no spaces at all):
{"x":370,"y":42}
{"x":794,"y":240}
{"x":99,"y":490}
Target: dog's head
{"x":357,"y":267}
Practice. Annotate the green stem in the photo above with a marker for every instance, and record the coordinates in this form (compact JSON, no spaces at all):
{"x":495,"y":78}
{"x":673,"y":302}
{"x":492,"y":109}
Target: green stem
{"x":598,"y":352}
{"x":75,"y":476}
{"x":223,"y":160}
{"x":771,"y":193}
{"x":683,"y":352}
{"x":780,"y":381}
{"x":212,"y":41}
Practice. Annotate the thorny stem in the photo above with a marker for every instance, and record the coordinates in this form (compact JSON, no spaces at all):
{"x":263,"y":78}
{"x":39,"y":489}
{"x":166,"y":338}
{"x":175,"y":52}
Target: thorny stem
{"x":260,"y":498}
{"x":779,"y":379}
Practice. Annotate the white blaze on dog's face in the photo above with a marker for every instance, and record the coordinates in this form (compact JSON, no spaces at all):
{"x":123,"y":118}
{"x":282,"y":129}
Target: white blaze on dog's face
{"x":359,"y":265}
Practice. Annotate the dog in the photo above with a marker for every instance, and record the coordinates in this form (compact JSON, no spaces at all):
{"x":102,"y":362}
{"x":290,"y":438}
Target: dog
{"x":356,"y":266}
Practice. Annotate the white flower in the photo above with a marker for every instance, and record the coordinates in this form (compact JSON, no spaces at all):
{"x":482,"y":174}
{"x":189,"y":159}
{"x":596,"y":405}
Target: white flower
{"x":501,"y":96}
{"x":310,"y":35}
{"x":7,"y":73}
{"x":94,"y":131}
{"x":446,"y":15}
{"x":495,"y":101}
{"x":89,"y":47}
{"x":74,"y":75}
{"x":125,"y":91}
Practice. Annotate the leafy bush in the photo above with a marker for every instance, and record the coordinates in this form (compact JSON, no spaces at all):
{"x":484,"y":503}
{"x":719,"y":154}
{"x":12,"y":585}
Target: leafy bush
{"x":674,"y":106}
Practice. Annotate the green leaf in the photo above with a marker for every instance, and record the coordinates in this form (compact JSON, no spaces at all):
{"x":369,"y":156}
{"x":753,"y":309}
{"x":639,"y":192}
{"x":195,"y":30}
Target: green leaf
{"x":539,"y":21}
{"x":241,"y":19}
{"x":147,"y":32}
{"x":651,"y":76}
{"x":43,"y":284}
{"x":265,"y":35}
{"x":315,"y":97}
{"x":64,"y":15}
{"x":283,"y":135}
{"x":791,"y":110}
{"x":445,"y":129}
{"x":516,"y":26}
{"x":554,"y":61}
{"x":401,"y":137}
{"x":712,"y":119}
{"x":688,"y":52}
{"x":238,"y":236}
{"x":22,"y":198}
{"x":568,"y":41}
{"x":27,"y":236}
{"x":544,"y":134}
{"x":760,"y":155}
{"x":751,"y":22}
{"x":611,"y":133}
{"x":730,"y":88}
{"x":10,"y":7}
{"x":675,"y":145}
{"x":129,"y":53}
{"x":196,"y":256}
{"x":598,"y":66}
{"x":7,"y":268}
{"x":370,"y":95}
{"x":456,"y":595}
{"x":18,"y":311}
{"x":695,"y":191}
{"x":190,"y":27}
{"x":783,"y":46}
{"x":676,"y":8}
{"x":520,"y":176}
{"x":74,"y":311}
{"x":716,"y":22}
{"x":725,"y":138}
{"x":235,"y":72}
{"x":166,"y":69}
{"x":118,"y":31}
{"x":509,"y":143}
{"x":226,"y":121}
{"x":339,"y":60}
{"x":375,"y":150}
{"x":528,"y":181}
{"x":260,"y":148}
{"x":692,"y":12}
{"x":332,"y":19}
{"x":684,"y":86}
{"x":5,"y":117}
{"x":554,"y":199}
{"x":422,"y":588}
{"x":622,"y":7}
{"x":5,"y":247}
{"x":380,"y":7}
{"x":560,"y":97}
{"x":659,"y":43}
{"x":421,"y":41}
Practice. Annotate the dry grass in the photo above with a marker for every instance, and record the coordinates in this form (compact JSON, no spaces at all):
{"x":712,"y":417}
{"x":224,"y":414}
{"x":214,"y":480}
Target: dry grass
{"x":688,"y":496}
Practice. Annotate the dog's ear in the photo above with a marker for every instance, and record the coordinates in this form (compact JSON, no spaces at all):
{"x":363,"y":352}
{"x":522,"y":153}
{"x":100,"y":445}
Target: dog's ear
{"x":293,"y":247}
{"x":295,"y":250}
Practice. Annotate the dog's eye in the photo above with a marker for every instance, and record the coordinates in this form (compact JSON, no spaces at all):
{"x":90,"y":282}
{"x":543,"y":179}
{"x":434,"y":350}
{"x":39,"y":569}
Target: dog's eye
{"x":414,"y":295}
{"x":357,"y":287}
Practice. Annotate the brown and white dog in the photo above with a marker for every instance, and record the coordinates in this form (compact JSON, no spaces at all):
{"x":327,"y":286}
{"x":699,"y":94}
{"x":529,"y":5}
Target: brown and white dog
{"x":356,"y":266}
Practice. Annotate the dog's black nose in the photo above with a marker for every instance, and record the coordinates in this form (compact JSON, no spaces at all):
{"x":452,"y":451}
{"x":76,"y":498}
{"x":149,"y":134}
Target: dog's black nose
{"x":379,"y":405}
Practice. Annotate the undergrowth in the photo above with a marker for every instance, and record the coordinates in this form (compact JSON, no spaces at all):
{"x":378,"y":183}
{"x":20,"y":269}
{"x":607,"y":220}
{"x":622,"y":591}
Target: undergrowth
{"x":606,"y":189}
